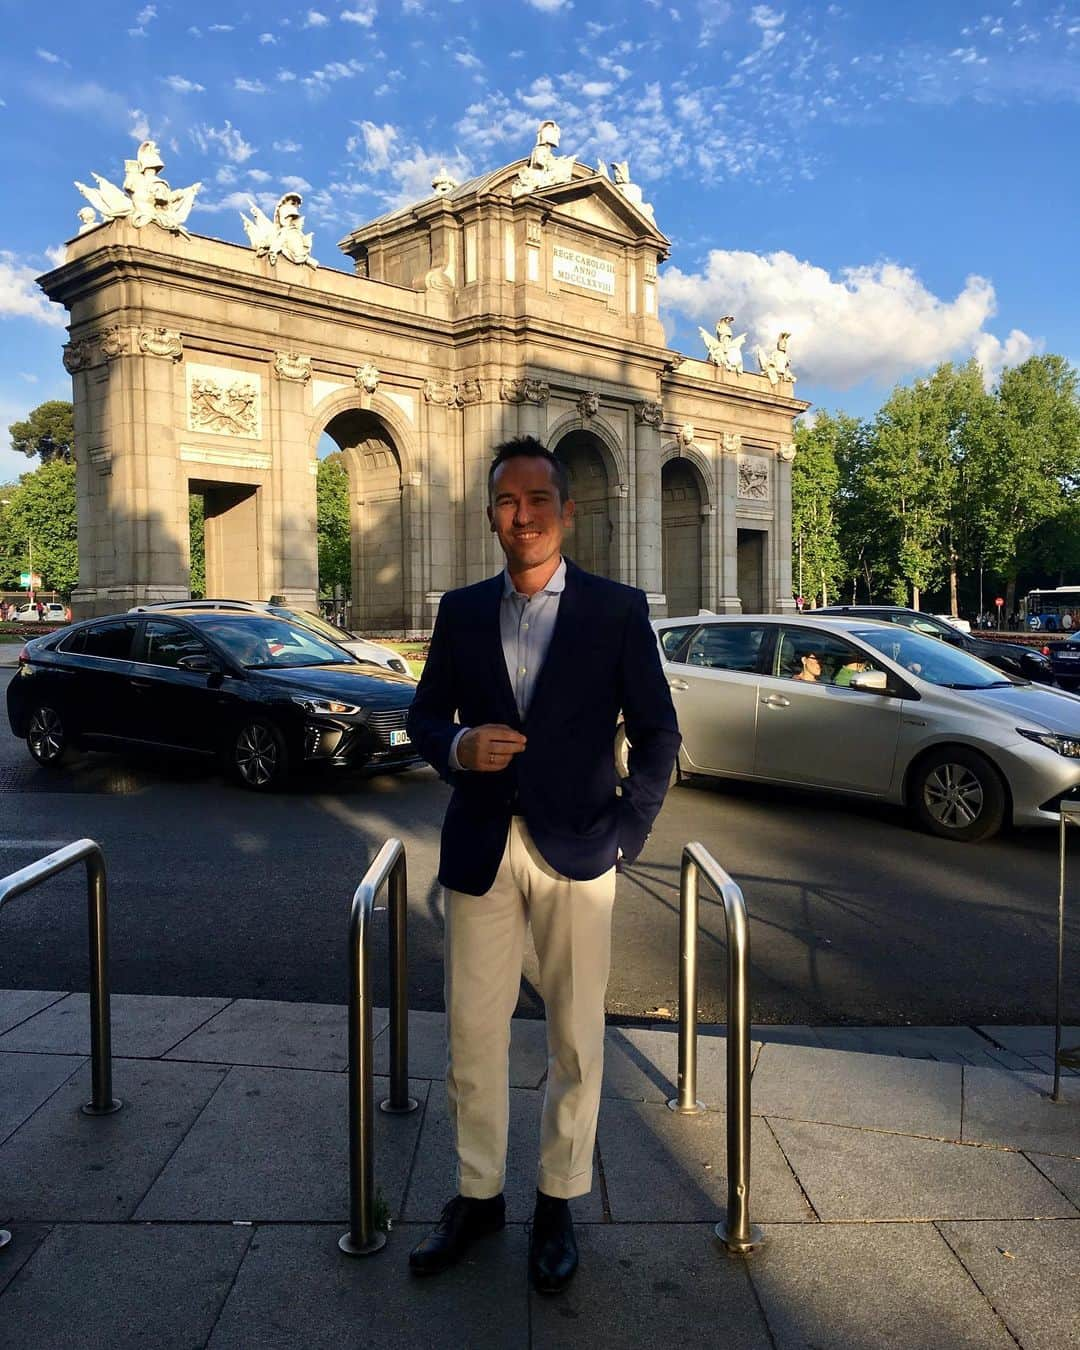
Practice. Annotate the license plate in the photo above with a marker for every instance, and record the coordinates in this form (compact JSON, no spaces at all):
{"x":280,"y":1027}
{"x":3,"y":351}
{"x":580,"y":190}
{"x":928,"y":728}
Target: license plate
{"x":1068,"y":656}
{"x":399,"y":738}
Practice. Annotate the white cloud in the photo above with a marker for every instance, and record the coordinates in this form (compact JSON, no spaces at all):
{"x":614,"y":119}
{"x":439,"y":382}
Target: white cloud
{"x":243,"y":86}
{"x":145,"y":16}
{"x":182,"y":85}
{"x":596,"y":88}
{"x":994,"y":355}
{"x":227,"y":139}
{"x":364,"y":14}
{"x":550,"y":6}
{"x":713,"y":14}
{"x":20,"y":297}
{"x":875,"y":322}
{"x":258,"y":175}
{"x":379,"y":142}
{"x":28,"y":376}
{"x":140,"y":124}
{"x":413,"y":171}
{"x":319,"y":80}
{"x":315,"y":19}
{"x":285,"y":76}
{"x":287,"y":147}
{"x":468,"y":59}
{"x":294,"y":183}
{"x":222,"y":28}
{"x":267,"y":39}
{"x":237,"y":201}
{"x":50,"y":57}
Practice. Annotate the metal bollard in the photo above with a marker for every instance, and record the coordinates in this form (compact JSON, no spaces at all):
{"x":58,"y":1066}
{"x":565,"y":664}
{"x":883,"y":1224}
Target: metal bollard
{"x":102,"y":1102}
{"x":1070,"y":815}
{"x":363,"y":1239}
{"x":736,"y":1232}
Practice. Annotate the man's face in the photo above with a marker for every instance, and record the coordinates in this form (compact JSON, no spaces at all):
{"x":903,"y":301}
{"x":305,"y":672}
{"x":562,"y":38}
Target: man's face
{"x":526,"y":513}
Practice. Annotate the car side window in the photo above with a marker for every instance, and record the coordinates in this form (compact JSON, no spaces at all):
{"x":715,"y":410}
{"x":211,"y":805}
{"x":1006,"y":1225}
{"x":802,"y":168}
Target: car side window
{"x":671,"y":639}
{"x":73,"y":643}
{"x":727,"y":646}
{"x":814,"y":657}
{"x":110,"y":640}
{"x":165,"y":643}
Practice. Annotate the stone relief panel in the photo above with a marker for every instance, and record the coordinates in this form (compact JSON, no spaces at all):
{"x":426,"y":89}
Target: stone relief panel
{"x":77,"y":356}
{"x":649,"y":413}
{"x":163,"y":342}
{"x":224,"y":402}
{"x":367,"y":377}
{"x":524,"y":391}
{"x":114,"y":342}
{"x":449,"y":394}
{"x":588,"y":405}
{"x":753,"y":478}
{"x":292,"y":366}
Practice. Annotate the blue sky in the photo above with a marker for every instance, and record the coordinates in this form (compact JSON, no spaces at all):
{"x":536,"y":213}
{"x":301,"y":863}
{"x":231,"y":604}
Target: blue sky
{"x":895,"y":184}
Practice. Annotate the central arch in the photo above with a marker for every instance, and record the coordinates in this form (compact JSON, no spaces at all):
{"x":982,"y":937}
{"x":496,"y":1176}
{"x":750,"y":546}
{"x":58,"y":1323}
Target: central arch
{"x":681,"y":535}
{"x":377,"y":525}
{"x":591,"y":544}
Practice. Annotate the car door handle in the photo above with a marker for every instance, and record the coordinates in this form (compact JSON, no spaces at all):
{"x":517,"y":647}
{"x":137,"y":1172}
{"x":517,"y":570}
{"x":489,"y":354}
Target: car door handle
{"x":678,"y":684}
{"x":776,"y":701}
{"x":140,"y":683}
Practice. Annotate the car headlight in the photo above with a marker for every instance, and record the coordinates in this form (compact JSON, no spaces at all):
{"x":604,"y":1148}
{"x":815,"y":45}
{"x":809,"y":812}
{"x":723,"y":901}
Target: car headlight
{"x":1069,"y":746}
{"x":323,"y":705}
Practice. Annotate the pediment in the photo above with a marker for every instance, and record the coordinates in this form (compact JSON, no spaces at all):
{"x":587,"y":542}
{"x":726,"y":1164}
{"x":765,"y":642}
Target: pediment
{"x":595,"y":200}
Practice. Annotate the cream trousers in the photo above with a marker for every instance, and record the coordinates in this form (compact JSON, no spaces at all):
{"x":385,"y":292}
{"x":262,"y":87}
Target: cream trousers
{"x":485,"y":944}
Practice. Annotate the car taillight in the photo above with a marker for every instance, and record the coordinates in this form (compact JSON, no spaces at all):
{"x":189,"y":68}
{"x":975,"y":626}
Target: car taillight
{"x":24,"y":657}
{"x":1046,"y":651}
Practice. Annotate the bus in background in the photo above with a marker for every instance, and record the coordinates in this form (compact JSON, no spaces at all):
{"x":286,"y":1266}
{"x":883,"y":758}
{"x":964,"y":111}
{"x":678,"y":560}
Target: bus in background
{"x":1051,"y":611}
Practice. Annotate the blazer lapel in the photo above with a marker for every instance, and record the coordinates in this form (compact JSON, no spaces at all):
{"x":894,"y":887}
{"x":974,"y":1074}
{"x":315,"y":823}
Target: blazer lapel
{"x":560,"y":653}
{"x":491,"y":627}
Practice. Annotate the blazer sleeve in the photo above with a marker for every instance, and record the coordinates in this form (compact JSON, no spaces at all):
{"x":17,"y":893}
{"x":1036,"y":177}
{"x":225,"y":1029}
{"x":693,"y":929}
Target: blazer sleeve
{"x":651,"y":728}
{"x":430,"y":721}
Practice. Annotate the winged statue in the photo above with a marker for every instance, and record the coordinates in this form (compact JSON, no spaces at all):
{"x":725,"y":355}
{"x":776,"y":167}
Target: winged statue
{"x":725,"y":350}
{"x":260,"y":230}
{"x":145,"y":197}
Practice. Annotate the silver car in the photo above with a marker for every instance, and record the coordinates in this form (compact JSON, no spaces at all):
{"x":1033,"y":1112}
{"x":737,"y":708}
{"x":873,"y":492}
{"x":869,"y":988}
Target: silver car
{"x":865,"y":707}
{"x":360,"y":648}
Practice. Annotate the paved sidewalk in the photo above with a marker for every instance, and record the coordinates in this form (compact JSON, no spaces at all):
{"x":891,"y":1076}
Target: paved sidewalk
{"x":916,"y":1186}
{"x":9,"y":653}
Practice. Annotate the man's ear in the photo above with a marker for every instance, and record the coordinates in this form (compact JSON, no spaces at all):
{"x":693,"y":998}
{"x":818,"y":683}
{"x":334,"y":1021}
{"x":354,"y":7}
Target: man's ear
{"x":568,"y":510}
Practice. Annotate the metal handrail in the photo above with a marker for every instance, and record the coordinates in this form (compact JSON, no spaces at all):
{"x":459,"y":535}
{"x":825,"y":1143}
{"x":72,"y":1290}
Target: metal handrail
{"x":363,"y":1239}
{"x":736,"y":1232}
{"x":1070,"y":814}
{"x":102,"y":1102}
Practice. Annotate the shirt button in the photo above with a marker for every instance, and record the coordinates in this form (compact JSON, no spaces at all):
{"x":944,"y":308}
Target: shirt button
{"x":526,"y":626}
{"x":522,"y":671}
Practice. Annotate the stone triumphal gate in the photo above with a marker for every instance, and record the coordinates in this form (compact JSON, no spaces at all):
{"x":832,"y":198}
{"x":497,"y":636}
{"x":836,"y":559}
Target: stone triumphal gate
{"x":523,"y":301}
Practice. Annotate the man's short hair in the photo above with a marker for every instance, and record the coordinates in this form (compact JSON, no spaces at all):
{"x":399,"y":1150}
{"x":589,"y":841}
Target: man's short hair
{"x":528,"y":447}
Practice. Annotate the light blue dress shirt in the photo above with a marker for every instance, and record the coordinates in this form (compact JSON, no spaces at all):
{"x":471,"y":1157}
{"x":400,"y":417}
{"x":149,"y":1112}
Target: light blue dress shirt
{"x":526,"y":625}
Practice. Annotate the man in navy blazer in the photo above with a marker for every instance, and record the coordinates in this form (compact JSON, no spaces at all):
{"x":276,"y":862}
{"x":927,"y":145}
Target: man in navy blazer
{"x":526,"y":678}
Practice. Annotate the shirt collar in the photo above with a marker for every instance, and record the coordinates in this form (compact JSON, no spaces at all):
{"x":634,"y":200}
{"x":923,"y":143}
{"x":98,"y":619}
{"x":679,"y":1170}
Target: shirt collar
{"x":556,"y":585}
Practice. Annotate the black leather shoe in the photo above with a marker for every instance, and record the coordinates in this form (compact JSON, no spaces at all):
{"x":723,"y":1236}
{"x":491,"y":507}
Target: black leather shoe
{"x":463,"y":1219}
{"x":553,"y":1254}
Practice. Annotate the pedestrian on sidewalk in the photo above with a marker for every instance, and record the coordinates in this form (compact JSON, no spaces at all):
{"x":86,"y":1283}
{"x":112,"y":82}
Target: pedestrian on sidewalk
{"x":536,"y":663}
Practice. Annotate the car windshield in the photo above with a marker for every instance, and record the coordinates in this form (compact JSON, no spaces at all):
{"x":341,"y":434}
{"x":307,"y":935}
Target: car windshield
{"x":315,"y":622}
{"x":932,"y":660}
{"x":263,"y":642}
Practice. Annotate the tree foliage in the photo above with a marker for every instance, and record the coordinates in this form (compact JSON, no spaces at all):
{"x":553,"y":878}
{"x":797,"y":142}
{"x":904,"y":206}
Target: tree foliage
{"x":335,"y":544}
{"x":39,"y":518}
{"x":817,"y":564}
{"x":197,"y":545}
{"x":48,"y":431}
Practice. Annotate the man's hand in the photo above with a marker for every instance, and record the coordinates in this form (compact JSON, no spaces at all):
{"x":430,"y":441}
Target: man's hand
{"x":490,"y":747}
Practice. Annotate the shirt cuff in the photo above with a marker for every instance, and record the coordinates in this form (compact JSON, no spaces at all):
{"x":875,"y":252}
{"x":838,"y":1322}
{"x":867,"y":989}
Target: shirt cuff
{"x":456,"y":763}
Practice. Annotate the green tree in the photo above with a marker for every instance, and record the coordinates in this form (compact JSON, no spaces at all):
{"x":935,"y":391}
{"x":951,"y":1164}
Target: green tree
{"x":335,"y":544}
{"x":40,"y":519}
{"x":197,"y":545}
{"x":815,"y":497}
{"x":48,"y":431}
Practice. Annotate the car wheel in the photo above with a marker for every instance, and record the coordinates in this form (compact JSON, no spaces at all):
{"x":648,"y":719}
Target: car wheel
{"x":958,"y":794}
{"x":258,"y":757}
{"x":622,"y":757}
{"x":46,"y":738}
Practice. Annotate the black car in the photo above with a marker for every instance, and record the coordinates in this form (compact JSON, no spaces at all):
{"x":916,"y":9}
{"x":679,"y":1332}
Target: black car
{"x":261,"y":694}
{"x":1064,"y":658}
{"x":1026,"y":663}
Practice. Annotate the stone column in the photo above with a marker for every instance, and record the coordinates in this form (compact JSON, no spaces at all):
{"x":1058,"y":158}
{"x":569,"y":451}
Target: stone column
{"x":727,"y":601}
{"x":648,"y":539}
{"x":290,"y":515}
{"x":782,"y":598}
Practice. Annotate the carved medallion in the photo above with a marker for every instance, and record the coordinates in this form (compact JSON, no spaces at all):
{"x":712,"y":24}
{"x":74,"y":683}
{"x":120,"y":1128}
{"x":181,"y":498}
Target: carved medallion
{"x":113,"y":343}
{"x":588,"y":405}
{"x":76,"y":356}
{"x":753,"y":478}
{"x":227,"y":408}
{"x":524,"y":391}
{"x":786,"y":452}
{"x":367,"y":377}
{"x":650,"y":413}
{"x":161,"y":342}
{"x":452,"y":395}
{"x":292,"y":366}
{"x":685,"y":434}
{"x":732,"y":442}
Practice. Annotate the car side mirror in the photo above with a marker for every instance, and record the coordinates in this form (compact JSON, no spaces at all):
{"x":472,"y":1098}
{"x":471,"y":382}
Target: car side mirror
{"x":206,"y":664}
{"x":870,"y":681}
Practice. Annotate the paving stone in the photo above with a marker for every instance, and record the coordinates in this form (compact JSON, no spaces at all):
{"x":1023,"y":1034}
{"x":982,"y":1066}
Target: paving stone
{"x":850,"y":1088}
{"x":869,"y":1286}
{"x":144,"y":1026}
{"x":862,"y":1174}
{"x":25,"y":1240}
{"x":273,"y":1144}
{"x":295,"y":1289}
{"x":1030,"y":1272}
{"x":16,"y":1005}
{"x":1045,"y":1064}
{"x":276,"y":1035}
{"x":1030,"y":1040}
{"x":28,"y":1080}
{"x":651,"y":1285}
{"x":952,"y":1045}
{"x":775,"y":1033}
{"x":643,"y":1066}
{"x":1063,"y":1172}
{"x":1015,"y":1109}
{"x":434,"y":1178}
{"x":427,"y":1049}
{"x":123,"y":1286}
{"x":64,"y":1165}
{"x":663,"y":1167}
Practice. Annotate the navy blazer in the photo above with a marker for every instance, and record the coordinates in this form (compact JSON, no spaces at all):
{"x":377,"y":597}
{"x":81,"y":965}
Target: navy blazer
{"x":603,"y":660}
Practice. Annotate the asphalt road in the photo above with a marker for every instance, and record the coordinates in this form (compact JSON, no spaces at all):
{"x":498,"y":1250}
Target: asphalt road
{"x":855,"y":917}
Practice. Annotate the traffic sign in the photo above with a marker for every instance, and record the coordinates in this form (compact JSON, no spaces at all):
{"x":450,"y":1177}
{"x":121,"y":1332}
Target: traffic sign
{"x":30,"y":580}
{"x":999,"y":601}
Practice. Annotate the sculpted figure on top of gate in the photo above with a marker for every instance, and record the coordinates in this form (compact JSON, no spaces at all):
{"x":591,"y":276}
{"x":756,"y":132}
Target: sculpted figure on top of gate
{"x":282,"y":237}
{"x":146,"y":197}
{"x":725,"y":350}
{"x":776,"y":364}
{"x":545,"y":168}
